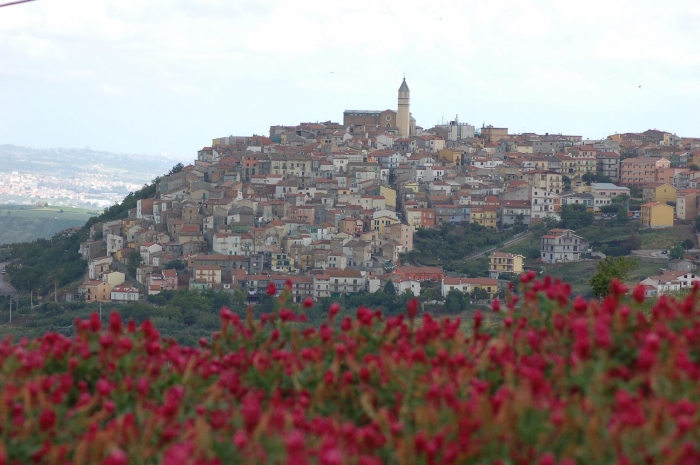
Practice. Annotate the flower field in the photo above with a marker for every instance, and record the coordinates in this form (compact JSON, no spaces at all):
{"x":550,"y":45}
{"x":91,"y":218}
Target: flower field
{"x":558,"y":380}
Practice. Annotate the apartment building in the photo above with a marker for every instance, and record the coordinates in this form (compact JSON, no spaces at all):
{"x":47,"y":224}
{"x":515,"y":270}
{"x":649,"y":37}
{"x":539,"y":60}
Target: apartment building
{"x":562,"y":245}
{"x":635,"y":172}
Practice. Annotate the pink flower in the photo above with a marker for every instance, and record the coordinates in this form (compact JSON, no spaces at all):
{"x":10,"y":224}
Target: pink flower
{"x":308,"y":302}
{"x":116,"y":457}
{"x":496,"y":305}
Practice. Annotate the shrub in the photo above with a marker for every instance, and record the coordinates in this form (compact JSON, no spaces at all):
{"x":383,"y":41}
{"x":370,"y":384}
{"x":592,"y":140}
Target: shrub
{"x":559,"y":380}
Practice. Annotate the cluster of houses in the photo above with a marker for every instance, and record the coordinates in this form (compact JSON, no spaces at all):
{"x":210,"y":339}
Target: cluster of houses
{"x":333,"y":206}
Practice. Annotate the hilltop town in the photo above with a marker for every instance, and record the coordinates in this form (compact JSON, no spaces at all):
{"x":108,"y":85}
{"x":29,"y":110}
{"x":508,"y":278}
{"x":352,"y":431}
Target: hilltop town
{"x":334,"y":207}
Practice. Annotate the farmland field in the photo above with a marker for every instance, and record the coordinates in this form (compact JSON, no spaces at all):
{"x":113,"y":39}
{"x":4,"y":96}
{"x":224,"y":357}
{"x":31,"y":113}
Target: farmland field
{"x":25,"y":223}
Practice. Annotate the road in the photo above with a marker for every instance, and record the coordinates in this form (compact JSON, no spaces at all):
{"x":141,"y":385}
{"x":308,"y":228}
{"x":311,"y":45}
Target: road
{"x":658,"y":253}
{"x":5,"y":288}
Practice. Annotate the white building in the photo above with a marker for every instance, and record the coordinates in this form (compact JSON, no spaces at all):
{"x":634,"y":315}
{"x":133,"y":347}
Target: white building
{"x":562,"y":245}
{"x":125,"y":294}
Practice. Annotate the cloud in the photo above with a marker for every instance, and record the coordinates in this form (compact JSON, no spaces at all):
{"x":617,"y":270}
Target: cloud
{"x":252,"y":63}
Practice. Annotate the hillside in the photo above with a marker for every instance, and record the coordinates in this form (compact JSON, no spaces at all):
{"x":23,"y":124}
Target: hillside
{"x":26,"y":223}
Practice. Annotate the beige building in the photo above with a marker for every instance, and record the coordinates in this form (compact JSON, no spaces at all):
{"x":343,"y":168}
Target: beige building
{"x":500,"y":262}
{"x":657,"y":215}
{"x":491,"y":134}
{"x":687,"y":204}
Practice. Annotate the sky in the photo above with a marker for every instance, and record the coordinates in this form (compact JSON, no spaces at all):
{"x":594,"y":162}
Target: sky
{"x":147,"y":76}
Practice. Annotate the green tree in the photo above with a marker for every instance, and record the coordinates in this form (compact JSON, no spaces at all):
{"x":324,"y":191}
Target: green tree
{"x":479,"y":294}
{"x":575,"y":216}
{"x":389,"y":288}
{"x":176,"y":264}
{"x":135,"y":261}
{"x":176,"y":169}
{"x":455,"y":301}
{"x":567,"y":182}
{"x":676,"y":252}
{"x":622,"y":217}
{"x":634,"y":242}
{"x":608,"y":269}
{"x":687,"y":244}
{"x":694,"y":167}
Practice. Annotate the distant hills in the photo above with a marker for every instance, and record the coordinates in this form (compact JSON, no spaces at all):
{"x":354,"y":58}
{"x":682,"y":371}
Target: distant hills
{"x":78,"y":182}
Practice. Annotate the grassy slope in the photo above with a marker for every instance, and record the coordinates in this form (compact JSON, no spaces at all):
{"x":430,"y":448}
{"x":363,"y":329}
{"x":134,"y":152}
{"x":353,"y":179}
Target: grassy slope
{"x":27,"y":224}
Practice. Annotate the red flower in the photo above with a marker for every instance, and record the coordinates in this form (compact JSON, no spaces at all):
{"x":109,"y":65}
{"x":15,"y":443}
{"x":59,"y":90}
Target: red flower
{"x":308,"y":302}
{"x":333,"y":310}
{"x":271,"y":289}
{"x":639,"y":293}
{"x":412,"y":308}
{"x":47,"y":419}
{"x":496,"y":305}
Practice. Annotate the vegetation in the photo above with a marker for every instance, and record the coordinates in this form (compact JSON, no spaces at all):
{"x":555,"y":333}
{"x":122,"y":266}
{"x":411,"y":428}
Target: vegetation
{"x":676,"y":252}
{"x":591,"y":177}
{"x":556,"y":380}
{"x":609,"y":269}
{"x":44,"y":263}
{"x":575,"y":216}
{"x":449,"y":245}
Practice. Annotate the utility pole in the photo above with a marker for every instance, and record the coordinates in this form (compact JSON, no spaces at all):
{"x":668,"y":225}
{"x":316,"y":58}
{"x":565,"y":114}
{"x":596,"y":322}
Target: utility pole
{"x":54,"y":292}
{"x":10,"y":310}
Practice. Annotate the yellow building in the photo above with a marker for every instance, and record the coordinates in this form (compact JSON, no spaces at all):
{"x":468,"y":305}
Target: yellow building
{"x":389,"y":195}
{"x":485,"y":217}
{"x":381,"y":222}
{"x":659,"y":192}
{"x":450,"y":156}
{"x":414,"y":186}
{"x":657,"y":215}
{"x":114,"y":279}
{"x":500,"y":262}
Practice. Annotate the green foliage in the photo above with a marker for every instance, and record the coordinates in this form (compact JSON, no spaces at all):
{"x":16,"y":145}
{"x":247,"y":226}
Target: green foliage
{"x":687,"y":244}
{"x":608,"y":269}
{"x":567,"y":182}
{"x":176,"y":169}
{"x":575,"y":216}
{"x":591,"y":177}
{"x":694,"y":167}
{"x":176,"y":264}
{"x":389,"y":288}
{"x":479,"y":294}
{"x":449,"y":245}
{"x":676,"y":252}
{"x":455,"y":301}
{"x":135,"y":261}
{"x":622,"y":217}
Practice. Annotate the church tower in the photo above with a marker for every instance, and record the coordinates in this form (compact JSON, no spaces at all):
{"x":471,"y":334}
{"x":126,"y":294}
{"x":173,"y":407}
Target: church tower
{"x":403,"y":115}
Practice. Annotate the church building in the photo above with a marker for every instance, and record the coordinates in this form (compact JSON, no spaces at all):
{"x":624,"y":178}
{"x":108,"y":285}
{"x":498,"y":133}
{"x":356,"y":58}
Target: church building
{"x":399,"y":122}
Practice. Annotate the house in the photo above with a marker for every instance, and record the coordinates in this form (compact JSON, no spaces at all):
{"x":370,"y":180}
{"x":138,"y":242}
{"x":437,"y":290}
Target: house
{"x":658,"y":192}
{"x":687,"y":204}
{"x":125,"y":294}
{"x":656,"y":215}
{"x":609,"y":165}
{"x":608,"y":189}
{"x":421,"y":273}
{"x":95,"y":291}
{"x":468,"y":285}
{"x":500,"y":262}
{"x":344,"y":281}
{"x":401,"y":283}
{"x":562,"y":245}
{"x":591,"y":201}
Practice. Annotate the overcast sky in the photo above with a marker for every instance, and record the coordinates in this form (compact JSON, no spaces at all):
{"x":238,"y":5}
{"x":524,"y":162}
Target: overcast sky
{"x":145,"y":76}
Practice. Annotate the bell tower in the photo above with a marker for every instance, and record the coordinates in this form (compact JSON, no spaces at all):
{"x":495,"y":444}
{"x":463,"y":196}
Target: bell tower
{"x":403,"y":114}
